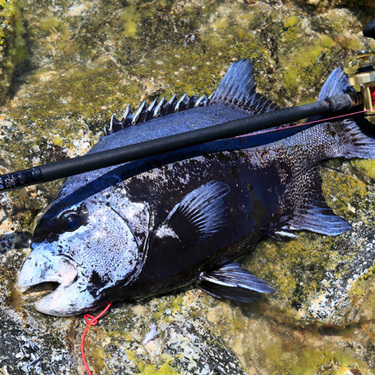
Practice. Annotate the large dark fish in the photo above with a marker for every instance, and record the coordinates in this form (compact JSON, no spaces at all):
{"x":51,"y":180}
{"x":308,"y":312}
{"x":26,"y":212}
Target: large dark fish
{"x":150,"y":226}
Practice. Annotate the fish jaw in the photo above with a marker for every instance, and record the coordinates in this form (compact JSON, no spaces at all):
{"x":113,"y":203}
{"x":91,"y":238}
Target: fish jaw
{"x":42,"y":266}
{"x":66,"y":301}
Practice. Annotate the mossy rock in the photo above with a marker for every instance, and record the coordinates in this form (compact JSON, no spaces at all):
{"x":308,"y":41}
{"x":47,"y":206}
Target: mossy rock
{"x":12,"y":44}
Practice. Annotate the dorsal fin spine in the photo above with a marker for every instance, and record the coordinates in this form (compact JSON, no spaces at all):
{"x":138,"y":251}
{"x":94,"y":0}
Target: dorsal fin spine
{"x":182,"y":103}
{"x":137,"y":115}
{"x":237,"y":88}
{"x":157,"y":110}
{"x":150,"y":109}
{"x":201,"y":101}
{"x":128,"y":117}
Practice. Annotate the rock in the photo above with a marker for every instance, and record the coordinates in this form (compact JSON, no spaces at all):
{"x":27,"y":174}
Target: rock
{"x":183,"y":344}
{"x":12,"y":44}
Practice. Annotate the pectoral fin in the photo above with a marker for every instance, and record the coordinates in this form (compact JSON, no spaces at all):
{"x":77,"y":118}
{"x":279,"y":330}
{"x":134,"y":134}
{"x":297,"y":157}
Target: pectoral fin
{"x":233,"y":282}
{"x":198,"y":216}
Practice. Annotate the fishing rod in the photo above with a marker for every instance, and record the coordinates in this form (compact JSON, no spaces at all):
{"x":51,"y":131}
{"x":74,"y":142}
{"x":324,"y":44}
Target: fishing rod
{"x":363,"y":81}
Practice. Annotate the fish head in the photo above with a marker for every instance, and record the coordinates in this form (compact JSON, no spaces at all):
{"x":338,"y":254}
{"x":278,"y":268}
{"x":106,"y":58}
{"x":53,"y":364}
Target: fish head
{"x":88,"y":249}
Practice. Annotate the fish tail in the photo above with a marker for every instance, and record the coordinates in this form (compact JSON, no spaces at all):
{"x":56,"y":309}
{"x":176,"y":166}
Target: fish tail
{"x":346,"y":138}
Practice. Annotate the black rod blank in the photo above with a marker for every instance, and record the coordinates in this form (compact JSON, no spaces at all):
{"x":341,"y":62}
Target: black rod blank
{"x":245,"y":125}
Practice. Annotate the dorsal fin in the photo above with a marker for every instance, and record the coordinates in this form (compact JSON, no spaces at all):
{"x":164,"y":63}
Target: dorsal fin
{"x":336,"y":84}
{"x":154,"y":110}
{"x":236,"y":89}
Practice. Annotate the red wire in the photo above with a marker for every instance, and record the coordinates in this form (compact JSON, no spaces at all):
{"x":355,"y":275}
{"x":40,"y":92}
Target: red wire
{"x":91,"y":321}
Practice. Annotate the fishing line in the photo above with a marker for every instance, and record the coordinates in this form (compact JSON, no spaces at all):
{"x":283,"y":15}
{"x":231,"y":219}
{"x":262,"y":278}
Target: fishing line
{"x":303,"y":124}
{"x":333,"y":118}
{"x":91,"y":321}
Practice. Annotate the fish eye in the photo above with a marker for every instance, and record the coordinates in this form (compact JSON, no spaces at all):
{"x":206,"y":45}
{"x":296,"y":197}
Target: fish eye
{"x":71,"y":221}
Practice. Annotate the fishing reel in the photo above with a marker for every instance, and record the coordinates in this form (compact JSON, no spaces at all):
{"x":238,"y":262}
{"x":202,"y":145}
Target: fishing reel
{"x":362,"y":75}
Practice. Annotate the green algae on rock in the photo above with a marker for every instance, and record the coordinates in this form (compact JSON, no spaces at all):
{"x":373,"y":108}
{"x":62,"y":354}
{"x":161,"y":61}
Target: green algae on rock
{"x":12,"y":45}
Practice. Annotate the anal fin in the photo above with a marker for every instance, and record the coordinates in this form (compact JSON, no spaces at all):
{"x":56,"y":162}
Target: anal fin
{"x":312,"y":213}
{"x":284,"y":232}
{"x":233,"y":282}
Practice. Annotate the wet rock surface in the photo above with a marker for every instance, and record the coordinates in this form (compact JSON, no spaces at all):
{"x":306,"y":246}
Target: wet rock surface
{"x":87,"y":60}
{"x":12,"y":45}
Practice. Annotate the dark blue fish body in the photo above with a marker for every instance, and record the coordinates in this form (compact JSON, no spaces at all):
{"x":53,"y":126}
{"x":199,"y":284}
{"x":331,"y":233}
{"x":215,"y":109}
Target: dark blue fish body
{"x":157,"y":224}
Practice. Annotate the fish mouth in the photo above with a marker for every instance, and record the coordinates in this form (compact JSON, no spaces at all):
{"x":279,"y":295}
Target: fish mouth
{"x":44,"y":268}
{"x":34,"y":273}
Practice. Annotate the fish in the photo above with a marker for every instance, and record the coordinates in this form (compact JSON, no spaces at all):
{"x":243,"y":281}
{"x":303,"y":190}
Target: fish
{"x":188,"y":217}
